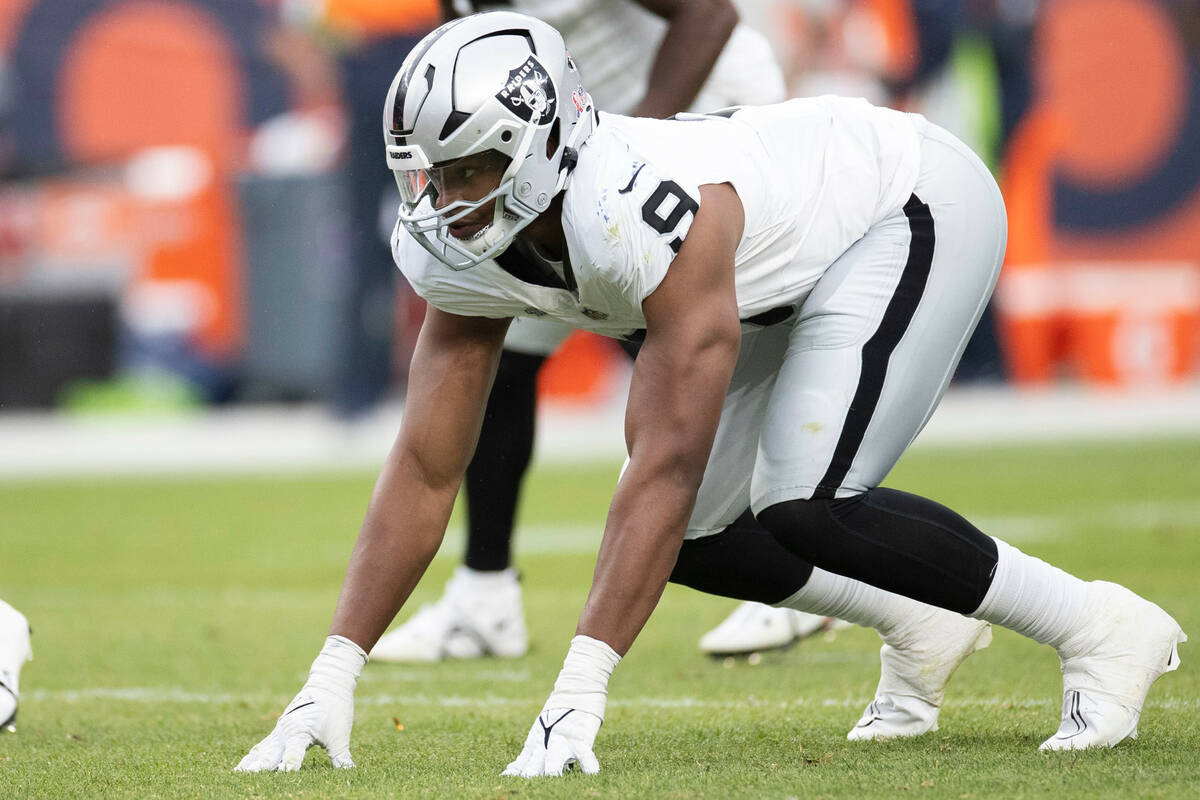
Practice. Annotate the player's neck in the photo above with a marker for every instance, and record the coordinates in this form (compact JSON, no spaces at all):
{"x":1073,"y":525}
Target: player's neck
{"x":545,"y":233}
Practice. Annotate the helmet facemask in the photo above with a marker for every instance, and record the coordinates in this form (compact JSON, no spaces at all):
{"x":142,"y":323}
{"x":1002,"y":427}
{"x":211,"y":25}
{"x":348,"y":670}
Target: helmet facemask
{"x":478,"y":93}
{"x":445,"y":201}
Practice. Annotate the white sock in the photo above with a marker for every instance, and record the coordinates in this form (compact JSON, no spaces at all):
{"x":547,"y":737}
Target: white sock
{"x":485,"y":581}
{"x":1033,"y":598}
{"x":831,"y":595}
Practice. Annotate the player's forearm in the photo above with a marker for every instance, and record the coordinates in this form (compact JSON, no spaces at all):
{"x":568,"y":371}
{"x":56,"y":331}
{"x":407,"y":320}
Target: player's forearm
{"x":449,"y":379}
{"x":696,"y":34}
{"x":641,"y":543}
{"x":674,"y":407}
{"x":400,"y":535}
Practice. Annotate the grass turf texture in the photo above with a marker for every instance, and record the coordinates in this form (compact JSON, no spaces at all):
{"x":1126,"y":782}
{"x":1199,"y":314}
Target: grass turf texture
{"x":174,"y":618}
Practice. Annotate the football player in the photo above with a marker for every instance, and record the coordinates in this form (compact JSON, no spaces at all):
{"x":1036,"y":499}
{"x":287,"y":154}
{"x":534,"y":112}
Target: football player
{"x":15,"y":650}
{"x":650,"y":58}
{"x":804,"y":277}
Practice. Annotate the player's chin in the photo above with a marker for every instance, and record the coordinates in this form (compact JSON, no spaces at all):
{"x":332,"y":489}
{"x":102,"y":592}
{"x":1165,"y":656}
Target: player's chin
{"x":466,"y":231}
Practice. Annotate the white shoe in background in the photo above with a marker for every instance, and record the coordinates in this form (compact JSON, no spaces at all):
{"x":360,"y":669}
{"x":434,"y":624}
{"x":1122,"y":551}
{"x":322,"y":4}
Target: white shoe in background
{"x":754,"y":627}
{"x":479,"y":614}
{"x":1126,"y":643}
{"x":917,"y":663}
{"x":15,"y":650}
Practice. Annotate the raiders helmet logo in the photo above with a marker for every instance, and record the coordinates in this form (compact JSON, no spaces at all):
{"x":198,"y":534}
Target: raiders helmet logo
{"x":529,"y":93}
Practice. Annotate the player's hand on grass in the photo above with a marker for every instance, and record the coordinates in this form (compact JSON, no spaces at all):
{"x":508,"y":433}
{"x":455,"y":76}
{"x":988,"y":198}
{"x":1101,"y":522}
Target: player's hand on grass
{"x":321,"y":713}
{"x":564,"y":733}
{"x":559,"y":739}
{"x":313,"y":717}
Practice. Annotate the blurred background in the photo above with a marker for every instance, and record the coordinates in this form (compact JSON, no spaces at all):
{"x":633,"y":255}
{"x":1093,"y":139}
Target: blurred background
{"x":194,"y":209}
{"x":197,"y":297}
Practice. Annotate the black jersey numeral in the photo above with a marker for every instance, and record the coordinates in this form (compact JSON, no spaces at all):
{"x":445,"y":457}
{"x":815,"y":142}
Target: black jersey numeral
{"x":684,"y":204}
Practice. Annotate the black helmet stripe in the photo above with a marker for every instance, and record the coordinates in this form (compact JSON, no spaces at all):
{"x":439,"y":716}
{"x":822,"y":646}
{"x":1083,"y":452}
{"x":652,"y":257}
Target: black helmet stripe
{"x":524,"y":33}
{"x":456,"y":118}
{"x":398,"y":109}
{"x":453,"y":122}
{"x":415,"y":57}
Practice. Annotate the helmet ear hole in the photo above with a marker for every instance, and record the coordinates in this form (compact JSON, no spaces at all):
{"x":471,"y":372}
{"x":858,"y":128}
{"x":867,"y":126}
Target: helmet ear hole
{"x":552,"y":140}
{"x":506,"y":136}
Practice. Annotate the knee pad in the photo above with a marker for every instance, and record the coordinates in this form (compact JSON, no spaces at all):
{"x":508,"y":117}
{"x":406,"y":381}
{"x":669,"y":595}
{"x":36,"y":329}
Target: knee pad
{"x":743,"y":562}
{"x":806,"y":528}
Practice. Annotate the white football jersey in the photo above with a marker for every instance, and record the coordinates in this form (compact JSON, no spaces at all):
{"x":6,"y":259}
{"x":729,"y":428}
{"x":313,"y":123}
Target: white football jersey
{"x":812,"y":175}
{"x":614,"y":42}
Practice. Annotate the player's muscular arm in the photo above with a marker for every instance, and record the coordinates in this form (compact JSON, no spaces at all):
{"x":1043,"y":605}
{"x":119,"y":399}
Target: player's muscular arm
{"x":449,"y":380}
{"x":697,"y":31}
{"x":679,"y":382}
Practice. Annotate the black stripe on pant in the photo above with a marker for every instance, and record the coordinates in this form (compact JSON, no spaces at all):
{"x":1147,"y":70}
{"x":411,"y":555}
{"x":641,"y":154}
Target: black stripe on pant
{"x":878,"y":349}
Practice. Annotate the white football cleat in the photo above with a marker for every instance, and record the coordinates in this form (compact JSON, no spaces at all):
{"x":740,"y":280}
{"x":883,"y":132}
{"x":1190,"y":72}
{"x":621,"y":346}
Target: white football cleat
{"x":479,"y":614}
{"x":917,"y":662}
{"x":421,"y":638}
{"x":753,"y":627}
{"x":15,"y":650}
{"x":1126,"y":643}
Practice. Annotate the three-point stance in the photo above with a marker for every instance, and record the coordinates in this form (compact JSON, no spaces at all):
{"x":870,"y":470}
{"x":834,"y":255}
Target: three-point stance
{"x":805,"y":277}
{"x":643,"y":58}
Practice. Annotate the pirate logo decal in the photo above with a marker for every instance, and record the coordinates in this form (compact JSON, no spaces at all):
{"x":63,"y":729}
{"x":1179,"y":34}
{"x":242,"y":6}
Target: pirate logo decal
{"x":529,"y":93}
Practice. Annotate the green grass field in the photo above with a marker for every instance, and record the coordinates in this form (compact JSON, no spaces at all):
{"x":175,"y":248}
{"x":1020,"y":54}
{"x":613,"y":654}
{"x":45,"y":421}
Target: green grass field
{"x":174,"y":618}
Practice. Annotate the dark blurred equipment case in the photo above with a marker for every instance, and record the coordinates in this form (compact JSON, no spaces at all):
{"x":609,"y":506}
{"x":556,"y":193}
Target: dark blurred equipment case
{"x":296,"y":256}
{"x":49,"y":341}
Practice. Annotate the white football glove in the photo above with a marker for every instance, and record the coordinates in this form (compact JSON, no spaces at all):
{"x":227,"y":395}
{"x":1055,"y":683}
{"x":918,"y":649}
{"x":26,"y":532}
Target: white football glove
{"x":565,"y":731}
{"x":559,"y":739}
{"x":321,"y":713}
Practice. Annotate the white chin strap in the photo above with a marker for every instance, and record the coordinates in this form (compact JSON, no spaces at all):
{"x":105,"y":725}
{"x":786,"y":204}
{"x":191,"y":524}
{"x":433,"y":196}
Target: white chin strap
{"x":485,"y":238}
{"x":490,"y":235}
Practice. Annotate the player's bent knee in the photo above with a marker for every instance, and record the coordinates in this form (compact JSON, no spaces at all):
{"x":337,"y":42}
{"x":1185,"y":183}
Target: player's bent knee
{"x":743,"y":562}
{"x":805,"y":527}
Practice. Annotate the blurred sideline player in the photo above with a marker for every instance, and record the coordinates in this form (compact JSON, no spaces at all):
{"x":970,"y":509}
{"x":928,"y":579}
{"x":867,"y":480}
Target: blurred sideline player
{"x":364,"y":39}
{"x":650,"y":58}
{"x":15,"y":650}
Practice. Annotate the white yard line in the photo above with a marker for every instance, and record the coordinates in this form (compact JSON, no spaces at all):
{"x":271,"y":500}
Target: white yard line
{"x":479,"y":673}
{"x":168,"y":694}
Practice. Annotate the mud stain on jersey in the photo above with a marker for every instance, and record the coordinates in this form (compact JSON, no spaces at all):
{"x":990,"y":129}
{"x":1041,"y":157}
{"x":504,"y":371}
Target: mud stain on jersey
{"x":612,"y":226}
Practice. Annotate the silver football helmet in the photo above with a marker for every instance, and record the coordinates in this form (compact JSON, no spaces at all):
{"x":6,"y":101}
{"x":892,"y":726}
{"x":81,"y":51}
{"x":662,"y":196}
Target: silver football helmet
{"x":501,"y":82}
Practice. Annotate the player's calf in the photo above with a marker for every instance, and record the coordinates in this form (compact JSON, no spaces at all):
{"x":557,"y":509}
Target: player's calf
{"x":897,"y":541}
